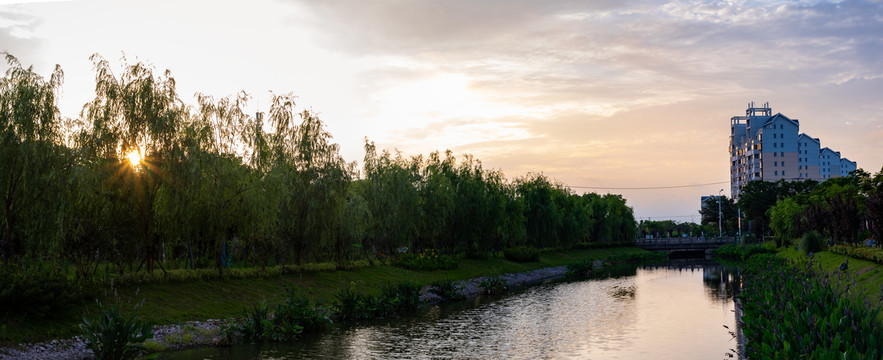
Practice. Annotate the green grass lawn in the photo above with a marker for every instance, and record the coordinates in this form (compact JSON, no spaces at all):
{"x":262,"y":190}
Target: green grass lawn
{"x":174,"y":302}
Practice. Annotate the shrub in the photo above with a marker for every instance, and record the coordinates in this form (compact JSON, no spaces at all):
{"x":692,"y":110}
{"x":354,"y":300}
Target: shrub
{"x":811,"y":242}
{"x":428,"y":259}
{"x":254,"y":324}
{"x":111,"y":336}
{"x":580,"y":268}
{"x":394,"y":298}
{"x":296,"y":316}
{"x":602,"y":244}
{"x":447,"y":289}
{"x":37,"y":293}
{"x":493,"y":286}
{"x":638,"y":257}
{"x":185,"y":275}
{"x":292,"y":317}
{"x":780,"y":299}
{"x":738,"y":252}
{"x":859,"y":252}
{"x":522,"y":254}
{"x":352,"y":305}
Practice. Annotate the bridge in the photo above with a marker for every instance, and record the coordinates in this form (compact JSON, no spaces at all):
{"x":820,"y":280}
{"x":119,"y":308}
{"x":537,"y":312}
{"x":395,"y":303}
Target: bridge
{"x":684,"y":243}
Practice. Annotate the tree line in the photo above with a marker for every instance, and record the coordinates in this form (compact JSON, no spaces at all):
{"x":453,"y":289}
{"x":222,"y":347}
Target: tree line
{"x":210,"y":185}
{"x":847,"y":209}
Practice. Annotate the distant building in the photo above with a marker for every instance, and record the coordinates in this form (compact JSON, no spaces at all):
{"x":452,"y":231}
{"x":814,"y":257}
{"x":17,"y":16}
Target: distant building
{"x":770,"y":147}
{"x":829,"y":163}
{"x":847,"y":166}
{"x":808,"y":149}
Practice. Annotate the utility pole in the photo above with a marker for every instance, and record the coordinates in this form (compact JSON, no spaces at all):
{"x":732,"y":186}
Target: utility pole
{"x":740,"y":222}
{"x":720,"y":215}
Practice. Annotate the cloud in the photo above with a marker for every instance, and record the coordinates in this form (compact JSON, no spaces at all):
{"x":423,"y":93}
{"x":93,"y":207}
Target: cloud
{"x":592,"y":93}
{"x":16,"y":37}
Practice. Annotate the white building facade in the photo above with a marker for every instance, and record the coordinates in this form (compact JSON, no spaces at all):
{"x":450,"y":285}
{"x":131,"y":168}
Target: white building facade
{"x":770,"y":147}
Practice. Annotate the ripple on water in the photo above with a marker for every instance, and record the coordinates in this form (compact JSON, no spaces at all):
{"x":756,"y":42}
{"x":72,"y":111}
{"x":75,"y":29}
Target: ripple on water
{"x":661,"y":313}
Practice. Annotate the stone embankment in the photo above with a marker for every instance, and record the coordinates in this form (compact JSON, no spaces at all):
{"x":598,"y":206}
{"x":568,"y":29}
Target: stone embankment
{"x":208,"y":333}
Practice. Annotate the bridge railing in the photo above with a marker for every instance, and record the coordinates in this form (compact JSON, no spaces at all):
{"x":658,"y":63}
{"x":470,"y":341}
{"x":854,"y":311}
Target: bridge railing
{"x":685,"y":241}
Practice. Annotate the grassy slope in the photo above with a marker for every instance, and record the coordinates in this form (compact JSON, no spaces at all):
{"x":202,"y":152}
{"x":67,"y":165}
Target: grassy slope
{"x":868,"y":275}
{"x":166,"y":303}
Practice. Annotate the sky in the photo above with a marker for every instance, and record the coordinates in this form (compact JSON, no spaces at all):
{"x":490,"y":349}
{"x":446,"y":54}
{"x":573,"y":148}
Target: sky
{"x":599,"y":95}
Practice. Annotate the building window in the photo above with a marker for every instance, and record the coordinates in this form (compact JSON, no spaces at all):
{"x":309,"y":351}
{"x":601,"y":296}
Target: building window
{"x":775,"y":163}
{"x":774,"y":154}
{"x":777,"y":173}
{"x":781,"y":126}
{"x":774,"y":144}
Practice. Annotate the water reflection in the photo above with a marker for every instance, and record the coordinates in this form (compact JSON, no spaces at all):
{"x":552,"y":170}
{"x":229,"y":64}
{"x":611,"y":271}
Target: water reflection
{"x":674,"y":310}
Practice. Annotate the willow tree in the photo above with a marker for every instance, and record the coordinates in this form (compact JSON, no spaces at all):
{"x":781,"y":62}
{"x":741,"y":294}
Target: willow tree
{"x":28,"y":150}
{"x":310,"y":178}
{"x":135,"y":118}
{"x":393,"y":200}
{"x":215,"y":197}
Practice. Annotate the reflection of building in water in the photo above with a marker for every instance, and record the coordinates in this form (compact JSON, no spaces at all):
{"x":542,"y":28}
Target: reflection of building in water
{"x":721,"y":283}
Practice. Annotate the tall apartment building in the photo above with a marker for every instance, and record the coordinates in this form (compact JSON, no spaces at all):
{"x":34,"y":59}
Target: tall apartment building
{"x":847,"y":166}
{"x":770,"y":147}
{"x":808,"y":160}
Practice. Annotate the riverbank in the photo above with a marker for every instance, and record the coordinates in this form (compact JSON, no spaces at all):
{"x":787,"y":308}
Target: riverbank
{"x":184,"y":312}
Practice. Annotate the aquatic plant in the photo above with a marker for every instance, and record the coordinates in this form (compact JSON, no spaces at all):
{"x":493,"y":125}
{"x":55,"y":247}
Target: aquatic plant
{"x":797,"y":310}
{"x":580,"y":268}
{"x":447,"y":289}
{"x":493,"y":285}
{"x":111,"y":336}
{"x":296,"y":315}
{"x":397,"y":297}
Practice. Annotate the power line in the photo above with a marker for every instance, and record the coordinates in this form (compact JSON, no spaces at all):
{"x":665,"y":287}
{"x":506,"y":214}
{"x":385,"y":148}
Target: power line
{"x":646,"y":188}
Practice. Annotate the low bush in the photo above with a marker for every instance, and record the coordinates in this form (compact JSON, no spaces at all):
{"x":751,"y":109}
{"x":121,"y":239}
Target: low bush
{"x":637,"y":257}
{"x":811,"y":242}
{"x":738,"y":252}
{"x":297,"y":315}
{"x":796,"y":311}
{"x":112,"y":336}
{"x":447,"y":289}
{"x":352,"y":305}
{"x":185,"y":275}
{"x":254,"y":323}
{"x":493,"y":286}
{"x":393,"y":298}
{"x":38,"y":293}
{"x":602,"y":244}
{"x":580,"y":268}
{"x":585,"y":267}
{"x":874,"y":254}
{"x":522,"y":254}
{"x":293,"y":317}
{"x":427,"y":259}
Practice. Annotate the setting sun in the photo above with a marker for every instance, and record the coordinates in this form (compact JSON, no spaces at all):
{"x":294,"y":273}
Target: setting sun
{"x":134,"y":157}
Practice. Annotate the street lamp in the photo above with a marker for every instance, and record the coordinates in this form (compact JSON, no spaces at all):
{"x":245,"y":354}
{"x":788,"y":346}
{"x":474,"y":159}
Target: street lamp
{"x":720,"y":226}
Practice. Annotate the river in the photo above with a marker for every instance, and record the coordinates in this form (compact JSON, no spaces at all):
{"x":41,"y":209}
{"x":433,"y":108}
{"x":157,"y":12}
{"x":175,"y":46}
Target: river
{"x":675,"y":310}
